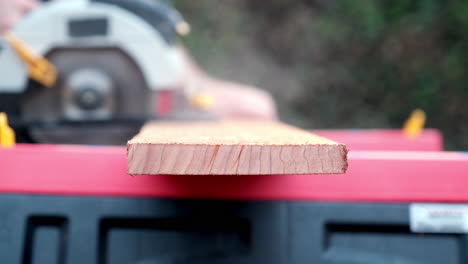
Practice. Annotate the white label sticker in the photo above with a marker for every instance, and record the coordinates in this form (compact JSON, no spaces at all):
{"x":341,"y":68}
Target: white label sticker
{"x":439,"y":218}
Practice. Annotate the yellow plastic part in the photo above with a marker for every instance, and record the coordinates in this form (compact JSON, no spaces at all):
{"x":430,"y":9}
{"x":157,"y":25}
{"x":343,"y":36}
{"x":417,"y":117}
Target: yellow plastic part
{"x":39,"y":68}
{"x":7,"y":135}
{"x":415,"y":124}
{"x":202,"y":101}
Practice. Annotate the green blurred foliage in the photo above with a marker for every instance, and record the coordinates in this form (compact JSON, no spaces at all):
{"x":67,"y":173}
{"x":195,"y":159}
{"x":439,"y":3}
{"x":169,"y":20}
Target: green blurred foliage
{"x":358,"y":63}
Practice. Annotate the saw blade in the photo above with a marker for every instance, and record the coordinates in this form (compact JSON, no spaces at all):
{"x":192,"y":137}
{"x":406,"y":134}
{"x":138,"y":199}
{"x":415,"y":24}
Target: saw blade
{"x":94,"y":84}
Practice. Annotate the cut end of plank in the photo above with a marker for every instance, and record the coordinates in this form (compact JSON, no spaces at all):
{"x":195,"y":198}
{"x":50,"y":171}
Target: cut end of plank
{"x":232,"y":148}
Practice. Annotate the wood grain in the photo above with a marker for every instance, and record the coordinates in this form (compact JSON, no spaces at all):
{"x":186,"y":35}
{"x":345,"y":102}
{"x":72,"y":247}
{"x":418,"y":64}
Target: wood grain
{"x":232,"y":147}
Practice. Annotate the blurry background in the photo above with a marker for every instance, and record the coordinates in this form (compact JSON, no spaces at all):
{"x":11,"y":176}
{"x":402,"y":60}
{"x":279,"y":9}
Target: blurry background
{"x":342,"y":63}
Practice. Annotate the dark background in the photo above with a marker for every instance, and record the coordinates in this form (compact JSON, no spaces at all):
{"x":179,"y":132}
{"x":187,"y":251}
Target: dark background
{"x":342,"y":63}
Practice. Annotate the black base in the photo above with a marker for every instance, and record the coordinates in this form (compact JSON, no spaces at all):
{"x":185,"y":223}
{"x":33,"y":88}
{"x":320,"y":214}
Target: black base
{"x":65,"y":229}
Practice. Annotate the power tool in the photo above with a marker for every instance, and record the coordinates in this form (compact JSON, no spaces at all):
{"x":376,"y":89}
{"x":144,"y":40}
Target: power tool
{"x":100,"y":69}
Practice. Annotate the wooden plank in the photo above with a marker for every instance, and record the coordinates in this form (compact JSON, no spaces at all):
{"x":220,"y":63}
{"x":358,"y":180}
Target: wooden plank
{"x":233,"y":148}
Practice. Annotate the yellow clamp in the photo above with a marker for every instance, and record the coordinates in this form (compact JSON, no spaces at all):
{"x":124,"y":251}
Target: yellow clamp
{"x":202,"y":101}
{"x":39,"y":68}
{"x":7,"y":135}
{"x":414,"y":125}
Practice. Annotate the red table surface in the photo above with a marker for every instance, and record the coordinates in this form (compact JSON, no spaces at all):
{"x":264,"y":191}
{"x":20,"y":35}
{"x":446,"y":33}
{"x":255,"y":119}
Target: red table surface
{"x":372,"y":176}
{"x":384,"y":139}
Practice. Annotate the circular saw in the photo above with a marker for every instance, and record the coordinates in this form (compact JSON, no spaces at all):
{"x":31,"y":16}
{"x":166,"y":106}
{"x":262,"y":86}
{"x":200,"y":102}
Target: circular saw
{"x":90,"y":71}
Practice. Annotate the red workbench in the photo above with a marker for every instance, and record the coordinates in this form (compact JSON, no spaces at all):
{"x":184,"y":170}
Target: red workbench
{"x":372,"y":176}
{"x":384,"y":139}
